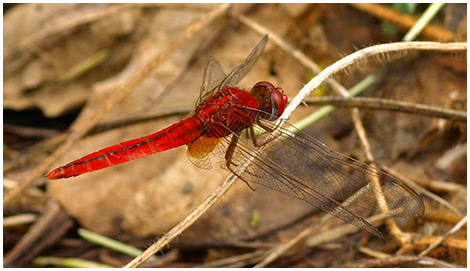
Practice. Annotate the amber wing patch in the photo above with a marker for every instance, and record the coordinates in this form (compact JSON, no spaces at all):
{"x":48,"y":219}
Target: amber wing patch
{"x":200,"y":148}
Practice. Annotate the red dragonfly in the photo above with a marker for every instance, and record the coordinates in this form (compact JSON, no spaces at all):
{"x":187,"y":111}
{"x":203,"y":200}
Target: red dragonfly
{"x":239,"y":125}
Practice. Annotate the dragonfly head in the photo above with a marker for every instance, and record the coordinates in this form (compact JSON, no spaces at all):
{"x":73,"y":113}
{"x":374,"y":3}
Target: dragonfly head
{"x":270,"y":99}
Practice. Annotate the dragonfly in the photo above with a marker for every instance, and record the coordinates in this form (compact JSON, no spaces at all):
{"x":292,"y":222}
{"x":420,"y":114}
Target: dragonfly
{"x":241,"y":129}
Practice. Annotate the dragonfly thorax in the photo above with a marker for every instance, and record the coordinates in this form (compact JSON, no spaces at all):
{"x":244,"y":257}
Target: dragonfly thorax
{"x":226,"y":111}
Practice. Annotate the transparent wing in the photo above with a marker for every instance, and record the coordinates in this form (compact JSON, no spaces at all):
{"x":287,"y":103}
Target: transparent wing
{"x":213,"y":75}
{"x":300,"y":166}
{"x":239,"y":72}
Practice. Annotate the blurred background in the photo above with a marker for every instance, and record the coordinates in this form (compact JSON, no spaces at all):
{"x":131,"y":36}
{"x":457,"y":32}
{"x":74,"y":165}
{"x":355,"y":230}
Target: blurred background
{"x":62,"y":62}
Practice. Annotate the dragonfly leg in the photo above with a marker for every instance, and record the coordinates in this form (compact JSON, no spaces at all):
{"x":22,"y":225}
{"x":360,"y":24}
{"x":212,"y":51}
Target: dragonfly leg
{"x":229,"y":156}
{"x":254,"y":136}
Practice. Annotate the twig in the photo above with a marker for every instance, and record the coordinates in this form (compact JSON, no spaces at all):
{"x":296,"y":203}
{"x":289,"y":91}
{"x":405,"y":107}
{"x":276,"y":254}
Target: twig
{"x":341,"y":231}
{"x":392,"y":105}
{"x":363,"y":54}
{"x":396,"y":261}
{"x":373,"y":253}
{"x":239,"y":260}
{"x":374,"y":179}
{"x":20,"y":219}
{"x":34,"y":233}
{"x":440,"y":186}
{"x":454,"y":229}
{"x":33,"y":192}
{"x":422,"y":190}
{"x":28,"y":131}
{"x":450,"y":157}
{"x":69,"y":262}
{"x":53,"y":233}
{"x":123,"y":91}
{"x":277,"y":251}
{"x":460,"y":243}
{"x":436,"y":214}
{"x":325,"y":110}
{"x":384,"y":13}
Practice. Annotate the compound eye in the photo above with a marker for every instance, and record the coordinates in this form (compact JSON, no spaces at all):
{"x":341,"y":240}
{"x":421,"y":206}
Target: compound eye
{"x":279,"y":101}
{"x":270,"y":99}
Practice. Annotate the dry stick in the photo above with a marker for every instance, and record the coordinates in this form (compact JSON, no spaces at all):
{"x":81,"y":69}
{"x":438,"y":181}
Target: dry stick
{"x":341,"y":231}
{"x":397,"y":260}
{"x":34,"y":193}
{"x":60,"y":225}
{"x":122,"y":92}
{"x":276,"y":252}
{"x":29,"y":131}
{"x":36,"y":150}
{"x":34,"y":233}
{"x":439,"y":186}
{"x":239,"y":259}
{"x":19,"y":219}
{"x":457,"y":243}
{"x":363,"y":54}
{"x":443,"y":237}
{"x":407,"y":22}
{"x":392,"y":105}
{"x":423,"y":190}
{"x":373,"y":253}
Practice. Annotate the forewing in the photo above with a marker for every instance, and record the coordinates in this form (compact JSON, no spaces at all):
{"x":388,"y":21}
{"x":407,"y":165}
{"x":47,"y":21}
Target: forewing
{"x":239,"y":72}
{"x":298,"y":165}
{"x":213,"y":76}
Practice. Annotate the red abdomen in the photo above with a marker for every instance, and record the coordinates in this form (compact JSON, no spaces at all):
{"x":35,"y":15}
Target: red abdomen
{"x":181,"y":133}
